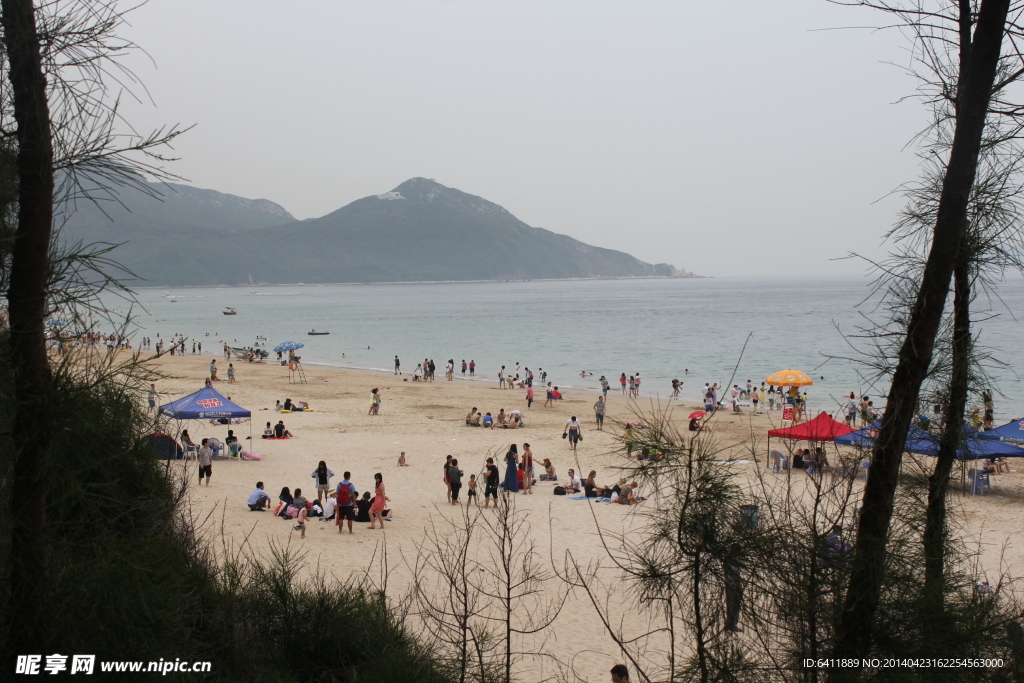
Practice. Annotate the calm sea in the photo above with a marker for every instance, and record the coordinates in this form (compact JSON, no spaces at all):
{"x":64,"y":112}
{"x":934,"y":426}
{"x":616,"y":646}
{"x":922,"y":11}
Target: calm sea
{"x":657,"y":328}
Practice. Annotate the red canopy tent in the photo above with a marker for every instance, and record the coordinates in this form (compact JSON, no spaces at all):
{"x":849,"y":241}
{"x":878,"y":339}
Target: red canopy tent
{"x":821,"y":428}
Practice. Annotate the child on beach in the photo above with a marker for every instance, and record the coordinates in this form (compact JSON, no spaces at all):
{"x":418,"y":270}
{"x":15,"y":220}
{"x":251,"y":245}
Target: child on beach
{"x":401,"y":460}
{"x":231,"y":373}
{"x":301,"y":526}
{"x":471,"y":491}
{"x":529,"y":396}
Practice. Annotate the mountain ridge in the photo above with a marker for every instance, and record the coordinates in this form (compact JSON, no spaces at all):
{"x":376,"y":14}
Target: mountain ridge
{"x":421,"y":231}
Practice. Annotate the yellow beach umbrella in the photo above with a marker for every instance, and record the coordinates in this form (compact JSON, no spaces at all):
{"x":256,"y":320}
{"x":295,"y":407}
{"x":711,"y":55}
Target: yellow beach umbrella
{"x":790,"y":378}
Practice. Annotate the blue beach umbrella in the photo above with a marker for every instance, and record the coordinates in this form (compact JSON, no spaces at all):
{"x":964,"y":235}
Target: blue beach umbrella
{"x":288,"y":346}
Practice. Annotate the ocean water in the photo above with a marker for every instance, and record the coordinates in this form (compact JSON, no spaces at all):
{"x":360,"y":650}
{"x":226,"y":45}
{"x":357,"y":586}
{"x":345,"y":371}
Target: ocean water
{"x":657,"y":328}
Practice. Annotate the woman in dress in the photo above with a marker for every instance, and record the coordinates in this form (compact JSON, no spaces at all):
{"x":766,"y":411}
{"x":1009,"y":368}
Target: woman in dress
{"x":512,"y":470}
{"x":378,"y":502}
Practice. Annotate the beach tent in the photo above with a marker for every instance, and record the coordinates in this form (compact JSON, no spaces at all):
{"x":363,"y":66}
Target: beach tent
{"x":207,"y":403}
{"x":164,"y":446}
{"x":975,"y":444}
{"x":1012,"y":432}
{"x":821,"y":428}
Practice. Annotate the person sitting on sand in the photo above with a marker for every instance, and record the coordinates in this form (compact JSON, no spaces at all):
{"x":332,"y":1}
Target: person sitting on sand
{"x":301,"y":405}
{"x":475,"y":422}
{"x":280,"y":432}
{"x":277,"y":406}
{"x":471,"y":416}
{"x":401,"y":460}
{"x":502,"y":419}
{"x":299,"y":500}
{"x":627,"y":494}
{"x":488,"y":421}
{"x":591,"y":488}
{"x":288,"y":405}
{"x":286,"y":499}
{"x":363,"y":508}
{"x":514,"y":423}
{"x":258,"y":500}
{"x":268,"y":433}
{"x":549,"y":471}
{"x":574,"y":485}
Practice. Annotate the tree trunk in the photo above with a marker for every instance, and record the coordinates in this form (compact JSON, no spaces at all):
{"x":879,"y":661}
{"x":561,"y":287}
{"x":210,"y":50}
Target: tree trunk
{"x":938,"y":482}
{"x":853,"y":640}
{"x":26,"y":299}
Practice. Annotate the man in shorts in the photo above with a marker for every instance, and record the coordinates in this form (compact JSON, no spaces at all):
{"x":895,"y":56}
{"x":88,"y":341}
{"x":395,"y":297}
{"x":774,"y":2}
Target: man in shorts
{"x":599,"y":412}
{"x":346,"y":497}
{"x":205,"y":462}
{"x":491,"y":484}
{"x":153,"y":395}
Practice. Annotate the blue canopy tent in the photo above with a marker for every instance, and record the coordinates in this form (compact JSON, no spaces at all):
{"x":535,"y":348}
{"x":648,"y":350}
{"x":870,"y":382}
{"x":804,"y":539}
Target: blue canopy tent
{"x":1011,"y":432}
{"x":205,"y":404}
{"x":975,"y":444}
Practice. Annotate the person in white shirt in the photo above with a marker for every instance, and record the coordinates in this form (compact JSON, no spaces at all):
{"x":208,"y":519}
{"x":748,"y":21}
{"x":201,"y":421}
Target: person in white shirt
{"x":851,"y":409}
{"x":330,"y":505}
{"x":575,"y":485}
{"x":572,"y":430}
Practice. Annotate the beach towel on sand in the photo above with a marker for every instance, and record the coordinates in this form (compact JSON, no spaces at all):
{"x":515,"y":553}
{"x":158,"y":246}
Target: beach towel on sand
{"x":596,"y":500}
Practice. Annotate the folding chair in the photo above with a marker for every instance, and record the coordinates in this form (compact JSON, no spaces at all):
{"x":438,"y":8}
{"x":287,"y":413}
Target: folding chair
{"x":979,"y":480}
{"x":191,"y":449}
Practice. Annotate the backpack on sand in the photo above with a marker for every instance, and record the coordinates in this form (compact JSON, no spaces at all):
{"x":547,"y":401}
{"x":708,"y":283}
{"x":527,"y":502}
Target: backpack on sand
{"x":559,"y":490}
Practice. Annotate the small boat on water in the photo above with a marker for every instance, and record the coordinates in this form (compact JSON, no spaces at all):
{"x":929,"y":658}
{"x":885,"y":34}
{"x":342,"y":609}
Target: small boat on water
{"x":311,"y":332}
{"x":230,"y":311}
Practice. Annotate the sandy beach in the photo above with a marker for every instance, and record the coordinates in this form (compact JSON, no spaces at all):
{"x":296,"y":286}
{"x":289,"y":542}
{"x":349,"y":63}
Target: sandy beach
{"x":426,"y":421}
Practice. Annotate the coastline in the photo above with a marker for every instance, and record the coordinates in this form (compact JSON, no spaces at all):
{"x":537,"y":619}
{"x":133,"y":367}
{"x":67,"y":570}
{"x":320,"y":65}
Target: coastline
{"x":426,"y":420}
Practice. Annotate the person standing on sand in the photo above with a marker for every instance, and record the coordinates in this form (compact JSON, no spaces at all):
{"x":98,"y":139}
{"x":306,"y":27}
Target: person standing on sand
{"x":632,"y":386}
{"x":636,"y":386}
{"x":527,"y":469}
{"x":345,"y":495}
{"x":231,"y":373}
{"x":622,"y":381}
{"x":529,"y":396}
{"x":491,"y":483}
{"x":213,"y":370}
{"x":604,"y":387}
{"x":378,"y":502}
{"x":572,"y":430}
{"x":851,"y":410}
{"x":511,"y":484}
{"x":398,"y":366}
{"x":599,"y":409}
{"x":446,"y":477}
{"x":375,"y":401}
{"x":472,"y":368}
{"x":322,"y":474}
{"x":454,"y":482}
{"x":463,"y":367}
{"x":205,"y":462}
{"x":549,"y":397}
{"x":152,"y":399}
{"x":501,"y":377}
{"x":675,"y":389}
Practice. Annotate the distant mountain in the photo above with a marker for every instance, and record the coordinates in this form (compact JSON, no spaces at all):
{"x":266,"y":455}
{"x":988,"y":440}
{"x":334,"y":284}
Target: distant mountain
{"x":420,"y":231}
{"x":181,"y":236}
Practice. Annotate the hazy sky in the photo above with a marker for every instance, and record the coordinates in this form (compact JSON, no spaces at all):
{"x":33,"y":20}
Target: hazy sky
{"x":727,"y":138}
